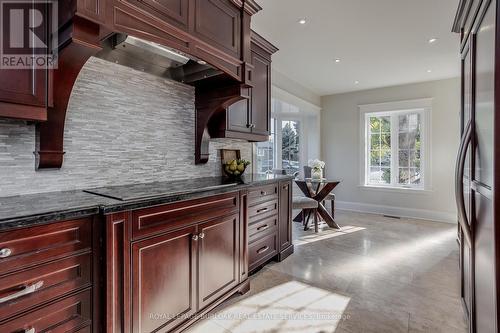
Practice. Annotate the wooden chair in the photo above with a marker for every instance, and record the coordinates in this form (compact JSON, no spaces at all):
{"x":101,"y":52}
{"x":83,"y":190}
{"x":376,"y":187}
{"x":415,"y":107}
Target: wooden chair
{"x":330,"y":197}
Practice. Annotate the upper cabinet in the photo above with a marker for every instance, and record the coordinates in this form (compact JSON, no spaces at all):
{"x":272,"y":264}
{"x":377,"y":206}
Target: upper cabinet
{"x":250,"y":119}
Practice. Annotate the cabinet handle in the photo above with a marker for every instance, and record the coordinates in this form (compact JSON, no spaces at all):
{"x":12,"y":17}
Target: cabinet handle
{"x":25,"y":291}
{"x":262,"y":250}
{"x":262,"y":227}
{"x":202,"y":235}
{"x":195,"y":237}
{"x":5,"y":252}
{"x":262,"y":210}
{"x":263,"y":193}
{"x":285,"y":187}
{"x":253,"y":125}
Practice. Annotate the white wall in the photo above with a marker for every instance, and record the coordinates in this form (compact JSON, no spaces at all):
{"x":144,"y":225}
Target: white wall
{"x":294,"y":88}
{"x":340,"y":146}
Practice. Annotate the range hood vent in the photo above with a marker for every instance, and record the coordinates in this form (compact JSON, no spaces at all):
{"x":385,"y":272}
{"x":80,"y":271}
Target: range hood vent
{"x":155,"y":59}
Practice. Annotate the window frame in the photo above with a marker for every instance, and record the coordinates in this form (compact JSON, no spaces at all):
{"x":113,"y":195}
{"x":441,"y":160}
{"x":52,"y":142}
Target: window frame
{"x":394,"y":109}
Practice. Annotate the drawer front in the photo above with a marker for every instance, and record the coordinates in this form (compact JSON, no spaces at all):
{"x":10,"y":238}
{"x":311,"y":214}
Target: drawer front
{"x":262,"y":210}
{"x":67,"y":315}
{"x":263,"y":227}
{"x":154,"y":220}
{"x":22,"y":248}
{"x":262,"y":193}
{"x":262,"y":250}
{"x":25,"y":289}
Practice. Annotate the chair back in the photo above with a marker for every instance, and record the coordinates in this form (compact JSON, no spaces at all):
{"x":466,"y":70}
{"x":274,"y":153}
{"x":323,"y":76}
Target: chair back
{"x":307,"y":171}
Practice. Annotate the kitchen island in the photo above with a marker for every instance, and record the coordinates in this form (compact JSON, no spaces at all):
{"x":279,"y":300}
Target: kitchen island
{"x":137,"y":258}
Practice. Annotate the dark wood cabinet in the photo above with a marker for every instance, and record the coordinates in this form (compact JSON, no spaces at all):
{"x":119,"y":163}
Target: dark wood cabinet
{"x":49,"y":277}
{"x":269,"y":223}
{"x":185,"y":257}
{"x":162,"y":267}
{"x":24,"y":94}
{"x":219,"y":248}
{"x":478,"y":172}
{"x":260,"y":115}
{"x":251,"y":118}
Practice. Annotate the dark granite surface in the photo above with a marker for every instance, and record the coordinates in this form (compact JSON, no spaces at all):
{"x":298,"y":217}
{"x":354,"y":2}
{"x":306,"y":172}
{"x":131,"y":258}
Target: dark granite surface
{"x":33,"y":209}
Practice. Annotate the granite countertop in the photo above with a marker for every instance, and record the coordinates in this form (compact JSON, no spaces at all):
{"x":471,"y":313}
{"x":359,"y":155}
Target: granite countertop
{"x":33,"y":209}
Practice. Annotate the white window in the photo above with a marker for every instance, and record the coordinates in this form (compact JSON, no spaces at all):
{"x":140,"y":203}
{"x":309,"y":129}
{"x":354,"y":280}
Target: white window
{"x":395,"y":144}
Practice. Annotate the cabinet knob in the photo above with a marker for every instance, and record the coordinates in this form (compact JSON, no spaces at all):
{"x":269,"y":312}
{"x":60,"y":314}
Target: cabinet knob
{"x":252,"y":126}
{"x":202,"y":235}
{"x":195,"y":237}
{"x":249,"y":125}
{"x":263,"y":193}
{"x":5,"y":252}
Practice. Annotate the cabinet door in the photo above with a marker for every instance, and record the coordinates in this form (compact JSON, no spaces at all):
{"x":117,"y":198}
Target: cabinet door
{"x":218,"y":23}
{"x":218,"y":258}
{"x":93,"y":9}
{"x":238,"y":117}
{"x":164,"y":266}
{"x":285,"y":216}
{"x":261,"y":95}
{"x":23,"y":86}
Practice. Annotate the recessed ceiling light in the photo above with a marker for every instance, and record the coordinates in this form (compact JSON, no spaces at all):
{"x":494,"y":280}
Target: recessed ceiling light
{"x":432,"y":40}
{"x":202,"y":62}
{"x":429,"y":71}
{"x":337,"y":60}
{"x":302,"y":21}
{"x":356,"y":82}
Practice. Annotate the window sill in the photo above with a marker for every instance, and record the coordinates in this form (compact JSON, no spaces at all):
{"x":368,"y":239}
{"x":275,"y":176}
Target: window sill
{"x":422,"y":191}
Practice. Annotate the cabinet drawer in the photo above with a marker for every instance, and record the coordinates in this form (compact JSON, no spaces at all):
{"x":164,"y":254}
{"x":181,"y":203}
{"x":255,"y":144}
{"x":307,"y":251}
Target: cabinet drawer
{"x":262,"y":227}
{"x":262,"y":250}
{"x":263,"y":210}
{"x":25,"y":289}
{"x":262,"y":193}
{"x":67,"y":315}
{"x":22,"y":248}
{"x":158,"y":219}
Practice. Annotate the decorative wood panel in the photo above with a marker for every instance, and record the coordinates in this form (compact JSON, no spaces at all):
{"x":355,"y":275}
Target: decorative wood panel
{"x":261,"y":95}
{"x":218,"y":22}
{"x":218,"y":258}
{"x":92,"y":9}
{"x":285,"y":216}
{"x":173,"y":11}
{"x":164,"y":280}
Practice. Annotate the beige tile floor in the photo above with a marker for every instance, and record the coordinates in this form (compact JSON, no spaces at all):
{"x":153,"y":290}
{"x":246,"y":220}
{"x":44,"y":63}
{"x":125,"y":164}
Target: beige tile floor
{"x":375,"y":275}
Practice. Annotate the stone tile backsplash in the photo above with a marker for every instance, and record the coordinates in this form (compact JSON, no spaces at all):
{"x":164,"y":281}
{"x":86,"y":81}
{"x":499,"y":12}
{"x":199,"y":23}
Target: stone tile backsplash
{"x":122,"y":127}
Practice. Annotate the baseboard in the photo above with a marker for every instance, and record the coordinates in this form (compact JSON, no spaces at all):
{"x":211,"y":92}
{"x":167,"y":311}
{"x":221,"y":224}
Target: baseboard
{"x":397,"y":211}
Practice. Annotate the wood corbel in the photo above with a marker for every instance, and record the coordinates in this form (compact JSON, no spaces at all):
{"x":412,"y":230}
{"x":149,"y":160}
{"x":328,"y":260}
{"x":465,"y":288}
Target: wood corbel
{"x":213,"y":104}
{"x":78,"y":40}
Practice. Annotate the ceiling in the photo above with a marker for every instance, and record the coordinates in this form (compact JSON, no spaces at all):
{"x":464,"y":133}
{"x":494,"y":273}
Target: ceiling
{"x":379,"y":42}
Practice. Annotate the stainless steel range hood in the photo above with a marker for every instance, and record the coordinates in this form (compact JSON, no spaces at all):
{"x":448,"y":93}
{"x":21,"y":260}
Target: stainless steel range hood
{"x":155,"y":59}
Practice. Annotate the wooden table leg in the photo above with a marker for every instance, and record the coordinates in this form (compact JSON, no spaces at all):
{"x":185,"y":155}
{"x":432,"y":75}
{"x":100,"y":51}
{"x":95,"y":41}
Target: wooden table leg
{"x":327,"y":217}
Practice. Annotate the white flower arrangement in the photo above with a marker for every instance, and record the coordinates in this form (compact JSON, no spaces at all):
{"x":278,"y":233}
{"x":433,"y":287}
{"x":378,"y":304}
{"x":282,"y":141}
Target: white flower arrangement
{"x":316,"y":165}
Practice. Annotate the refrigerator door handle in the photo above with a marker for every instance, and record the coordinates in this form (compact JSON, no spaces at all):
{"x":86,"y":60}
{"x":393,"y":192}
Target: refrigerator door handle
{"x":459,"y":185}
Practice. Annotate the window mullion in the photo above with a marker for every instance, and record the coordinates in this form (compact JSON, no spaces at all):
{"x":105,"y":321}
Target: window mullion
{"x":394,"y":150}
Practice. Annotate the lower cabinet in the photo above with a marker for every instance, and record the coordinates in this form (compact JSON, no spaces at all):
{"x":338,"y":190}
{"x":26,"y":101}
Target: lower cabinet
{"x":218,"y":254}
{"x":269,"y":223}
{"x":185,"y":265}
{"x":162,"y":267}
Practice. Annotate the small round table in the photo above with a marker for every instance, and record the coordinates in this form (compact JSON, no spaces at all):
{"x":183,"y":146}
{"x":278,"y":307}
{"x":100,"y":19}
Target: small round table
{"x":318,"y":189}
